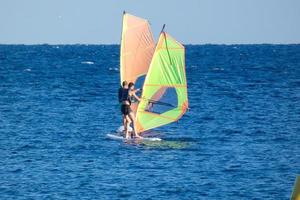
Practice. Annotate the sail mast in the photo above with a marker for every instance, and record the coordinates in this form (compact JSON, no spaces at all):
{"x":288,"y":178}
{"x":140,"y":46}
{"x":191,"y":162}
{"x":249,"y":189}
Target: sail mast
{"x":163,"y":28}
{"x":162,"y":31}
{"x":121,"y":45}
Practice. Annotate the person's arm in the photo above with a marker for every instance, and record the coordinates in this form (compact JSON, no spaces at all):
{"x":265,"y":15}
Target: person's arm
{"x":138,"y":98}
{"x":136,"y":90}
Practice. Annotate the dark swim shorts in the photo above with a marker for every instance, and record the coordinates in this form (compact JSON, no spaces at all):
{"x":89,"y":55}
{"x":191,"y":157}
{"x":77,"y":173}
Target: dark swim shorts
{"x":125,"y":109}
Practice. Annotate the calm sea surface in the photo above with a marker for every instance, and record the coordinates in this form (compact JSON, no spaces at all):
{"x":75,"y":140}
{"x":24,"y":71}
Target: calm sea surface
{"x":240,"y":140}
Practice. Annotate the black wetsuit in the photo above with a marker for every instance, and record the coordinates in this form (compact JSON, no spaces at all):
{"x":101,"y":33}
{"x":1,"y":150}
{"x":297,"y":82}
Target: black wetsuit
{"x":125,"y":109}
{"x":120,"y":94}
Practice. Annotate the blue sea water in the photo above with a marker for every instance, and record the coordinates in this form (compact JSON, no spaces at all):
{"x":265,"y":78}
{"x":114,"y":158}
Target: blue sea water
{"x":240,"y":139}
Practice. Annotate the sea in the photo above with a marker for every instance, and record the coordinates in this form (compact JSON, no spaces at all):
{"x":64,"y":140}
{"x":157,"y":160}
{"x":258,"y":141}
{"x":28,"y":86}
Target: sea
{"x":239,"y":140}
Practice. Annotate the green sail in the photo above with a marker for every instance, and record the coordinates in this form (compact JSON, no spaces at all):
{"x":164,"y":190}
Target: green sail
{"x":164,"y":99}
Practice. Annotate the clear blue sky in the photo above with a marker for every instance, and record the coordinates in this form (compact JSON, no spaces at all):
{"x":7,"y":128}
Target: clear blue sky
{"x":190,"y":21}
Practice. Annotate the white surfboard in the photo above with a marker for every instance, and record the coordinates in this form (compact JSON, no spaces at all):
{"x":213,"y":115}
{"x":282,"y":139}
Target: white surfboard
{"x":119,"y":137}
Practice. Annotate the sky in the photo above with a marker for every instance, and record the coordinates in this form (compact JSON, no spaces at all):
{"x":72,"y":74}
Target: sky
{"x":189,"y":21}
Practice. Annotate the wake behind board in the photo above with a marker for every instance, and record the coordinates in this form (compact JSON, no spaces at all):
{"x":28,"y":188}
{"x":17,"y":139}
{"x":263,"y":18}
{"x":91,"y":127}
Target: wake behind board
{"x":119,"y":137}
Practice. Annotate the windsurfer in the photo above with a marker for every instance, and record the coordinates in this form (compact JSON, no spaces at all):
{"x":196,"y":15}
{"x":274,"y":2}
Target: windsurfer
{"x":126,"y":95}
{"x":131,"y":98}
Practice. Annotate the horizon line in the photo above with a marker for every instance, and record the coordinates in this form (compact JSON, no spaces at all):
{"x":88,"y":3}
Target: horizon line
{"x":117,"y":44}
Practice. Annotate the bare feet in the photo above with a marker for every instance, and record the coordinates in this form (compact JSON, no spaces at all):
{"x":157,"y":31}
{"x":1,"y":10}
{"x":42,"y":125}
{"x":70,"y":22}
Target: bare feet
{"x":138,"y":136}
{"x":127,"y":138}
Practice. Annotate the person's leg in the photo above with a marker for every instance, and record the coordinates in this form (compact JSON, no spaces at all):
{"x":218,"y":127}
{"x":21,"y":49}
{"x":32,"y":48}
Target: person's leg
{"x":123,"y":117}
{"x":132,"y":118}
{"x":127,"y":134}
{"x":124,"y":123}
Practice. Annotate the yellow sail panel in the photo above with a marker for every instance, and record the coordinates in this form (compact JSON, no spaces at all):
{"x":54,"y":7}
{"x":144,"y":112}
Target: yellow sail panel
{"x":296,"y":190}
{"x":164,"y":98}
{"x":137,"y":48}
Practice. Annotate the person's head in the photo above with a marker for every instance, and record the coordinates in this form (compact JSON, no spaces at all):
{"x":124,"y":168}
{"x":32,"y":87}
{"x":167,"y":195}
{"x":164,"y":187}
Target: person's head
{"x":131,"y":85}
{"x":124,"y":83}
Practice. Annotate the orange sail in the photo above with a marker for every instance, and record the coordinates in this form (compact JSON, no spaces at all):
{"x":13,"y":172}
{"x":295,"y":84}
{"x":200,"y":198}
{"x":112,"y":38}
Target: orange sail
{"x":137,"y":48}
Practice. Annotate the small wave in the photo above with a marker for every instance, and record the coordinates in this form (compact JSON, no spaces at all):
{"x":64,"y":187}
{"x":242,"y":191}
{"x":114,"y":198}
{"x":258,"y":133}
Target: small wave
{"x":232,"y":167}
{"x":26,"y":147}
{"x":16,"y":170}
{"x":27,"y":70}
{"x":218,"y":69}
{"x":113,"y":69}
{"x":87,"y":62}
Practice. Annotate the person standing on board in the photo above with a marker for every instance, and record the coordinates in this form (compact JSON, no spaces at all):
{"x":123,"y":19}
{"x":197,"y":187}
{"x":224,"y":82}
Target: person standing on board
{"x":127,"y":94}
{"x":125,"y":109}
{"x":131,"y":98}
